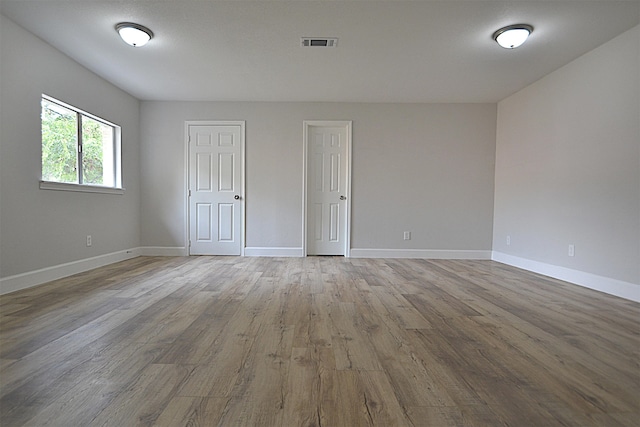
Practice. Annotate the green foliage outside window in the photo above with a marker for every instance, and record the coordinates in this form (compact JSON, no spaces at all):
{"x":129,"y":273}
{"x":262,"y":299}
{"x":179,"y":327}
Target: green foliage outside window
{"x":60,"y":146}
{"x":93,"y":135}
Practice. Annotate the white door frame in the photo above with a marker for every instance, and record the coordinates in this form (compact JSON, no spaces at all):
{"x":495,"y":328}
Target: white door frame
{"x":347,"y":229}
{"x":188,"y":123}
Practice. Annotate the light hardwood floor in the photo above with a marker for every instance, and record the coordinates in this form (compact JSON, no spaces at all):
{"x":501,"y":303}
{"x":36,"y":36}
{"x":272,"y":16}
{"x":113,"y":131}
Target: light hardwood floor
{"x":318,"y":341}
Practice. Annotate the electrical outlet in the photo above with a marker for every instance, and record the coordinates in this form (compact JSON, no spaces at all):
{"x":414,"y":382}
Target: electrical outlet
{"x":89,"y":240}
{"x":572,"y":250}
{"x":508,"y":240}
{"x":407,"y":235}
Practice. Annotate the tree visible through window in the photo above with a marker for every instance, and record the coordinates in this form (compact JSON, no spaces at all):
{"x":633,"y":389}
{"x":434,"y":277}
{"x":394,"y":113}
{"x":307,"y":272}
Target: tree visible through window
{"x":78,"y":148}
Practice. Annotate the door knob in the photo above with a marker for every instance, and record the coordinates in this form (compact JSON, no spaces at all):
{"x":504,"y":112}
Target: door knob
{"x":236,"y":197}
{"x":343,"y":198}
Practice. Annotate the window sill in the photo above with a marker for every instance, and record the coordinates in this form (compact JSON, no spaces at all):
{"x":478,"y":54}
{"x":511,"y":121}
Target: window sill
{"x":63,"y":186}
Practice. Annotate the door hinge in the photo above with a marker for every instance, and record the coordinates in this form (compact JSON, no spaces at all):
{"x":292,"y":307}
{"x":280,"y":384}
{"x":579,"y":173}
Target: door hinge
{"x":189,"y":193}
{"x":189,"y":242}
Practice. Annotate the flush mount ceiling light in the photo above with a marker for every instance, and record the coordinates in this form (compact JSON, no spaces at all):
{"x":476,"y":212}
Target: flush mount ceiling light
{"x":512,"y":36}
{"x":135,"y":35}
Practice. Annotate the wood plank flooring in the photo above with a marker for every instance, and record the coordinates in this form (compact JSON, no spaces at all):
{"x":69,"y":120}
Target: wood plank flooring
{"x":318,"y":341}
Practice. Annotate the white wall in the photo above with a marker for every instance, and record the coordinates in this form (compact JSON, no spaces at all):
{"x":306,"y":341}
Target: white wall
{"x":422,"y":168}
{"x":568,"y":167}
{"x":42,"y":228}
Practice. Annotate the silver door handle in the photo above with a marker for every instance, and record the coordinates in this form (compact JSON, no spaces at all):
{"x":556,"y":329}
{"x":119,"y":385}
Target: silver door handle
{"x":343,"y":198}
{"x":236,"y":197}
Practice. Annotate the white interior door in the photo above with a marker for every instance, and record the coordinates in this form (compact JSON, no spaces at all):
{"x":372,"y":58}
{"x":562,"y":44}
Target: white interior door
{"x":328,"y":149}
{"x":216,"y":187}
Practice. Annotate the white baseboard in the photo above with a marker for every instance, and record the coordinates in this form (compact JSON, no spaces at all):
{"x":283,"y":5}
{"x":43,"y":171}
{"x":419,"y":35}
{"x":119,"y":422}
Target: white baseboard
{"x":274,"y":252}
{"x":607,"y":285}
{"x":38,"y":277}
{"x":421,"y":253}
{"x":44,"y":275}
{"x":163,"y":251}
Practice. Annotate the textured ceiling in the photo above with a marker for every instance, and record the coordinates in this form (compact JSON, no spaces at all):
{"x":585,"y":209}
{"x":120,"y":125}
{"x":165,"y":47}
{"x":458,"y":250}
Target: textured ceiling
{"x":388,"y":51}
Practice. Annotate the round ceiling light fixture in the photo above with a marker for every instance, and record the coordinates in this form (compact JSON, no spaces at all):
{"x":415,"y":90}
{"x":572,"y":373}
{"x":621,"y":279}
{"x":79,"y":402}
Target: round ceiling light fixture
{"x":512,"y":36}
{"x":135,"y":35}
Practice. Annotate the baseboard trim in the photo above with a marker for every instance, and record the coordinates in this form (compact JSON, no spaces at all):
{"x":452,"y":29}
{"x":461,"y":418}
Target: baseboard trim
{"x":44,"y":275}
{"x":421,"y":253}
{"x":274,"y":252}
{"x":607,"y":285}
{"x":163,"y":251}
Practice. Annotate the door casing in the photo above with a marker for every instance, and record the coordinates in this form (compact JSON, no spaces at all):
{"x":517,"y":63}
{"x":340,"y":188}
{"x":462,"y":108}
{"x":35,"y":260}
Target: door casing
{"x":307,"y":124}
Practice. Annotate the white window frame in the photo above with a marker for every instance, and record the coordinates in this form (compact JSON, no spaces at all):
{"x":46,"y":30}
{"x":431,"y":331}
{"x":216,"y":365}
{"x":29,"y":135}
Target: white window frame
{"x":117,"y":188}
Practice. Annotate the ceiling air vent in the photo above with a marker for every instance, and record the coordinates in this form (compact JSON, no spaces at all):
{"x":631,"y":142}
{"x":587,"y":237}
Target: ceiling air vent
{"x":318,"y":42}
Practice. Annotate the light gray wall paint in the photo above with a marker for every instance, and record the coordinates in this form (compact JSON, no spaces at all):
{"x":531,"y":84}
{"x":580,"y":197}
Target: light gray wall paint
{"x":567,"y":171}
{"x":427,"y":169}
{"x":568,"y":165}
{"x":43,"y":228}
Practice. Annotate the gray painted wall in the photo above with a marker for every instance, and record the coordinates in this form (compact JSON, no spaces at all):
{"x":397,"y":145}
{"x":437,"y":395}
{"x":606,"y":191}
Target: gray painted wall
{"x":428,"y":169}
{"x":568,"y":165}
{"x":43,"y":228}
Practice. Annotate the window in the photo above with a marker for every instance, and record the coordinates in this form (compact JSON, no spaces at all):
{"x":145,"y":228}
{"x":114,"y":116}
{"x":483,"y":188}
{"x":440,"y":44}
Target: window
{"x":80,"y":152}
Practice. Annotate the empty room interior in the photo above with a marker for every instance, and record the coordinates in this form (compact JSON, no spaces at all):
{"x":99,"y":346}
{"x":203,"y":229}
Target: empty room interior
{"x":319,"y":213}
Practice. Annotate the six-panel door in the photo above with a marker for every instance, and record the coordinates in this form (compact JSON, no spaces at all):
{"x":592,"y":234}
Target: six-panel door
{"x":215,"y":188}
{"x":326,"y":191}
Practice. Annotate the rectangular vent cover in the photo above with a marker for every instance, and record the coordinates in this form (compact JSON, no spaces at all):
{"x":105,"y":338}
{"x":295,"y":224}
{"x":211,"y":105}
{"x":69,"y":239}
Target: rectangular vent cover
{"x":318,"y":41}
